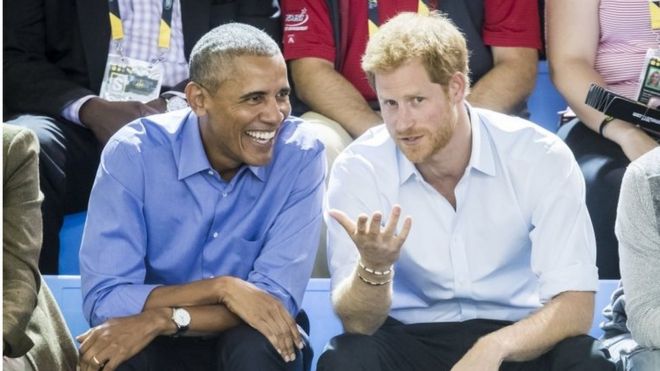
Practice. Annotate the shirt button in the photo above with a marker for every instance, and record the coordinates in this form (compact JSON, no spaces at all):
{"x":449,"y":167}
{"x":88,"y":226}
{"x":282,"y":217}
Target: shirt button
{"x":215,"y":234}
{"x":224,"y":194}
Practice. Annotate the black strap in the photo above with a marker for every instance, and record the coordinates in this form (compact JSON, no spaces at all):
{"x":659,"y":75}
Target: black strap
{"x":335,"y":20}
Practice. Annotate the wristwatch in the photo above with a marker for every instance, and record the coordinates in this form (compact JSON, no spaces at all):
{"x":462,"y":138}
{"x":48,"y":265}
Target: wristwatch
{"x":181,"y":319}
{"x":174,"y":100}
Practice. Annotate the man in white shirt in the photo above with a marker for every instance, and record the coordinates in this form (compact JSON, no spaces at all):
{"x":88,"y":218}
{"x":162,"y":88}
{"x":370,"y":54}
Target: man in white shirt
{"x":495,"y":264}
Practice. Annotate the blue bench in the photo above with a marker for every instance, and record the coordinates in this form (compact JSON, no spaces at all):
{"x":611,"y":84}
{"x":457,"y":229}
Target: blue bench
{"x":545,"y":101}
{"x":70,"y":239}
{"x":323,"y":322}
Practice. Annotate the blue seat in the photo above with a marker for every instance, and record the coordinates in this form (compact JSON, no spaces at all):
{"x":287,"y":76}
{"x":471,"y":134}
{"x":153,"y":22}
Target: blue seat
{"x":324,"y":323}
{"x":545,"y":101}
{"x":66,"y":290}
{"x":70,"y":239}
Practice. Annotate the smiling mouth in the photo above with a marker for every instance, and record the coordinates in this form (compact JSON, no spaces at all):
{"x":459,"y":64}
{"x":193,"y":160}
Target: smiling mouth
{"x":260,"y":136}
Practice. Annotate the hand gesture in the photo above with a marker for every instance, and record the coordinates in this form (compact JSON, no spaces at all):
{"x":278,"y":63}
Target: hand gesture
{"x":379,"y":247}
{"x":264,"y":313}
{"x":108,"y":345}
{"x":104,"y":118}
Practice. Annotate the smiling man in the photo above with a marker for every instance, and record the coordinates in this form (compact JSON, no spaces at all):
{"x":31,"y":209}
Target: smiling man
{"x":494,"y":269}
{"x":202,"y":223}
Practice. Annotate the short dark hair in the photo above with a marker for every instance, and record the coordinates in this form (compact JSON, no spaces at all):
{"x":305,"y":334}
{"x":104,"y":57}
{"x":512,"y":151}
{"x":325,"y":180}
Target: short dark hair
{"x":212,"y":56}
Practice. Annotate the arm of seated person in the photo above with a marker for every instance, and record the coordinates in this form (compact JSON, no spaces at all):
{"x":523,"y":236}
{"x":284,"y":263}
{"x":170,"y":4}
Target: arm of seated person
{"x":567,"y":314}
{"x":327,"y":92}
{"x":509,"y":82}
{"x":21,"y":222}
{"x":240,"y":300}
{"x":572,"y":70}
{"x":637,"y":231}
{"x":214,"y":305}
{"x":363,"y":303}
{"x":104,"y":118}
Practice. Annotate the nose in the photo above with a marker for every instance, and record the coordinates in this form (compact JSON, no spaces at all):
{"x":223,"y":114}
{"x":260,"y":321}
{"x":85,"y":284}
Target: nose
{"x":275,"y":111}
{"x":404,"y":119}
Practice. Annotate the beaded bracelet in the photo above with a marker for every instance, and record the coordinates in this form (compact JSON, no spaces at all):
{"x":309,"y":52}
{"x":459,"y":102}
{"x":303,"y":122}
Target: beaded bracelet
{"x":373,"y":271}
{"x":373,"y":283}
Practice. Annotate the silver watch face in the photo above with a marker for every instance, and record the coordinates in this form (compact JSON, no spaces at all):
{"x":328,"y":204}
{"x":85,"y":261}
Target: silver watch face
{"x":175,"y":103}
{"x":181,"y":317}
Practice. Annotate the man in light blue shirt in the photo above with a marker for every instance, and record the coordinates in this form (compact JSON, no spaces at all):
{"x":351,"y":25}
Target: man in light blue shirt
{"x":494,"y":268}
{"x":203,"y":222}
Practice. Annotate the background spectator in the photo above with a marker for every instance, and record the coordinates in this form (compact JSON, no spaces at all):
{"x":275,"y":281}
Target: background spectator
{"x":613,"y":39}
{"x":34,"y":334}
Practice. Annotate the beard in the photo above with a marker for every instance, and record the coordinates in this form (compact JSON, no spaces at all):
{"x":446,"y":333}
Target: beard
{"x":431,"y":141}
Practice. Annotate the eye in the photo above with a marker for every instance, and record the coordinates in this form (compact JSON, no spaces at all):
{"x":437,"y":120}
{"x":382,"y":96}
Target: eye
{"x":418,"y":100}
{"x":283,"y":94}
{"x":256,"y":99}
{"x":389,"y":103}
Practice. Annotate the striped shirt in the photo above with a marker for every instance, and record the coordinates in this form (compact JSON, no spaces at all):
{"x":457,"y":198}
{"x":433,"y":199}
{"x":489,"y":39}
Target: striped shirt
{"x":625,"y":35}
{"x":141,"y":21}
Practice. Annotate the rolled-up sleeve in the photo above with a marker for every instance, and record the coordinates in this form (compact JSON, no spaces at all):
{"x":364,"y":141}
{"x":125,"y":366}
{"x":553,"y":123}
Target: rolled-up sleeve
{"x":563,"y":242}
{"x":112,"y":254}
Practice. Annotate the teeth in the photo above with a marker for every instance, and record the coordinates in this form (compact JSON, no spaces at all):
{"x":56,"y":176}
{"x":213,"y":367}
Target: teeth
{"x":261,"y":136}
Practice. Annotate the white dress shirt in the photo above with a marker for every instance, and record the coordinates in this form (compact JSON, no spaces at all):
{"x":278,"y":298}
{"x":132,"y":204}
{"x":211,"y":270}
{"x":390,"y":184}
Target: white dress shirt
{"x":520,"y":233}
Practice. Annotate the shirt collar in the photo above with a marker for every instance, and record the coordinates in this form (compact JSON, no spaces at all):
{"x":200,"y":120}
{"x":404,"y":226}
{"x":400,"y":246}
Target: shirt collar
{"x":193,"y":159}
{"x":260,"y":171}
{"x":481,"y":155}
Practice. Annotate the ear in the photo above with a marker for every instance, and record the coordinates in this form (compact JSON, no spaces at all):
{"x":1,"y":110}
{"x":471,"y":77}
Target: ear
{"x":197,"y":100}
{"x":458,"y":84}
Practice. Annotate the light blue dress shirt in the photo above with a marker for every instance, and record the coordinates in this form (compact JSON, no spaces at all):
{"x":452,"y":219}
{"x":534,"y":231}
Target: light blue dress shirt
{"x":520,"y":233}
{"x":160,"y":215}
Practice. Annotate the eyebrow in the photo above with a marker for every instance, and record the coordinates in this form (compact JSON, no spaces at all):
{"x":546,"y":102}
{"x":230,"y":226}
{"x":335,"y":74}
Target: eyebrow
{"x":252,"y":94}
{"x":261,"y":93}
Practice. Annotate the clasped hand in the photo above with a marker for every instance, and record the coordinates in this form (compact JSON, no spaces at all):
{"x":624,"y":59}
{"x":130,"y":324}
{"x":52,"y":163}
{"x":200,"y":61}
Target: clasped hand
{"x":263,"y":312}
{"x":110,"y":344}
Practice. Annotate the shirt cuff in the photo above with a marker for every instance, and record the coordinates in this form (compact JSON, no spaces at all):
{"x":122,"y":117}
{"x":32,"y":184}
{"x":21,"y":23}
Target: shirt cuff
{"x":263,"y":283}
{"x":72,"y":111}
{"x":577,"y":277}
{"x":126,"y":300}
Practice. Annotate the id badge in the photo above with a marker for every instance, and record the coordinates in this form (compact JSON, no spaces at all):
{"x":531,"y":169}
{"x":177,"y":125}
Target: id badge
{"x":649,"y":86}
{"x":128,"y":79}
